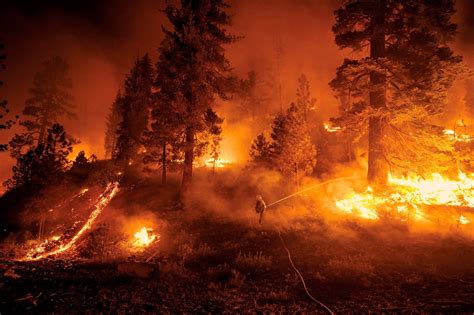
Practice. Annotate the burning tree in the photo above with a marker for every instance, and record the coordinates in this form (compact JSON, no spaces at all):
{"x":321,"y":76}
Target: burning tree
{"x":398,"y":89}
{"x":193,"y":69}
{"x":50,"y":98}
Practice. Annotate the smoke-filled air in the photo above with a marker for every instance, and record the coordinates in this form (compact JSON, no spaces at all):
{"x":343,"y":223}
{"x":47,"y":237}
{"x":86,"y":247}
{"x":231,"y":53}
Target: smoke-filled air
{"x":237,"y":156}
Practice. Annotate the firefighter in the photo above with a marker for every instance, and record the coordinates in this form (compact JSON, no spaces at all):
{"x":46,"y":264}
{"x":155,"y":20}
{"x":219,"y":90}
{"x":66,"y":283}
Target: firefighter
{"x":260,"y":207}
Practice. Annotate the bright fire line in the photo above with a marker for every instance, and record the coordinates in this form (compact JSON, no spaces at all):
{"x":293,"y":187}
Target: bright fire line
{"x":103,"y":200}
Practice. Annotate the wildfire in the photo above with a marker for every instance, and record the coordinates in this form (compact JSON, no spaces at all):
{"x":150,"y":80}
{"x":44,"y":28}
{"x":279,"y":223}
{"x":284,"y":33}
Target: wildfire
{"x":409,"y":194}
{"x":330,"y":128}
{"x":363,"y":204}
{"x":463,"y":219}
{"x":144,"y":237}
{"x":459,"y":137}
{"x":218,"y":163}
{"x":43,"y":250}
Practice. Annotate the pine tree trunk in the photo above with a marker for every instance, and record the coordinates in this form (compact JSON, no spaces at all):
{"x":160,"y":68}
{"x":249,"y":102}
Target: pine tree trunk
{"x":163,"y":164}
{"x":188,"y":161}
{"x":377,"y":166}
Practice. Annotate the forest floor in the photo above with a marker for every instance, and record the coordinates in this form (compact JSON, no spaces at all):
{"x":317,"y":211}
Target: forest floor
{"x":212,"y":263}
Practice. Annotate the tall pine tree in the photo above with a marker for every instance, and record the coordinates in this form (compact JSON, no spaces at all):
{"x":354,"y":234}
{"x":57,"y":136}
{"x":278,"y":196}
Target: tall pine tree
{"x":401,"y":85}
{"x":50,"y":98}
{"x":194,"y":68}
{"x":296,"y":154}
{"x":134,"y":111}
{"x":112,"y":125}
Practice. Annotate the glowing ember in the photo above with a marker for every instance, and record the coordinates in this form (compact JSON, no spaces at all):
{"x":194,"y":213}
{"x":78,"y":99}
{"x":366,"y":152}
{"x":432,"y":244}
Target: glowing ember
{"x":144,"y":237}
{"x":409,"y":194}
{"x":44,"y":249}
{"x":330,"y":128}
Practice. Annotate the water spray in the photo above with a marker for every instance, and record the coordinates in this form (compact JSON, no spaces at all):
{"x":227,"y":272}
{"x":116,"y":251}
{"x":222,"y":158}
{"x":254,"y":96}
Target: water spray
{"x":339,"y":179}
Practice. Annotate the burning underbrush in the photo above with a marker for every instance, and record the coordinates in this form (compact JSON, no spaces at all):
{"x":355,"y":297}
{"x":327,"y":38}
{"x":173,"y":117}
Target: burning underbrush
{"x":79,"y":227}
{"x":213,"y":255}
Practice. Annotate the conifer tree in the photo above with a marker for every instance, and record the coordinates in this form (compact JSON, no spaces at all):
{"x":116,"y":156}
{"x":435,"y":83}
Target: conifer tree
{"x":304,"y":101}
{"x":112,"y":125}
{"x":45,"y":162}
{"x":297,"y":155}
{"x":50,"y":99}
{"x":261,"y":151}
{"x":251,"y":97}
{"x":278,"y":134}
{"x":134,"y":110}
{"x":5,"y":123}
{"x":396,"y":90}
{"x":194,"y":69}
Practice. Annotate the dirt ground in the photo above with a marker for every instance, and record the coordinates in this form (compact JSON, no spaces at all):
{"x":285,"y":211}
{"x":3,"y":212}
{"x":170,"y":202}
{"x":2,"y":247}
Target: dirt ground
{"x":225,"y":262}
{"x":216,"y":265}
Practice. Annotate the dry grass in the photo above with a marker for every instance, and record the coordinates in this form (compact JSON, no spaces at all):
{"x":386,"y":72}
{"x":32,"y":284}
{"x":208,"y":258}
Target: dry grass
{"x":253,"y":262}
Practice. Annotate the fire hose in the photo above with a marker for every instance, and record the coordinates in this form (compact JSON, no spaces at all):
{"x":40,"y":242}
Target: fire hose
{"x":302,"y":279}
{"x":260,"y":199}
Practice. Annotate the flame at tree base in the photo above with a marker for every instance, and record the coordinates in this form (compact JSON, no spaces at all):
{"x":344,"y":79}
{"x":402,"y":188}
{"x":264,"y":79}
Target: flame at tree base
{"x":408,"y":196}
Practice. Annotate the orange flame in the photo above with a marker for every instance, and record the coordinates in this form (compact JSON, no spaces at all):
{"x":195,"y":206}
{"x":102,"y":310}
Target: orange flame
{"x":144,"y":237}
{"x":410,"y":194}
{"x":103,"y":200}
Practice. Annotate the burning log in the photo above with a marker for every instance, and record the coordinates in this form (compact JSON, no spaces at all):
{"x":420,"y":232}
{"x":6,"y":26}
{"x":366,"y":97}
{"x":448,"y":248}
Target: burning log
{"x":57,"y":245}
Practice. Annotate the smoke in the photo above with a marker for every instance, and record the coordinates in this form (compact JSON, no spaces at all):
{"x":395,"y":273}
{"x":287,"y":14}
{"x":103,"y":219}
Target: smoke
{"x":101,"y":39}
